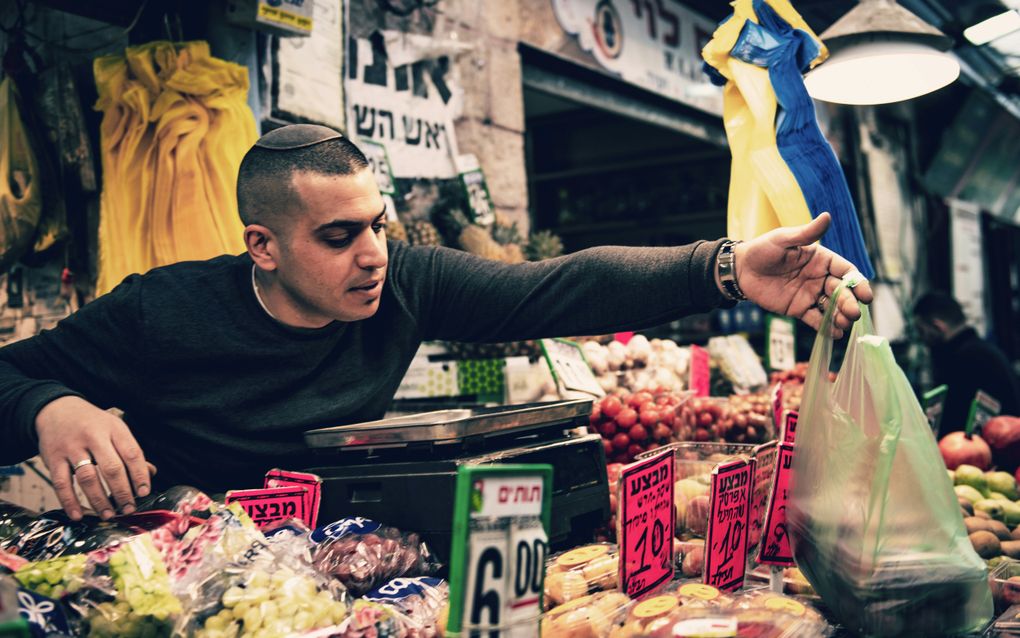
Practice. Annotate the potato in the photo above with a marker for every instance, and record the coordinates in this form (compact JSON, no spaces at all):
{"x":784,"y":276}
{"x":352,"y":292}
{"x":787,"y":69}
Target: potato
{"x":986,"y":544}
{"x":1011,"y":548}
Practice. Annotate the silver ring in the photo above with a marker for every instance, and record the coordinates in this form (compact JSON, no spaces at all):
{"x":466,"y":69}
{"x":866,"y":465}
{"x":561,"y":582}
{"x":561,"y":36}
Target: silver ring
{"x":820,"y":304}
{"x":82,"y":463}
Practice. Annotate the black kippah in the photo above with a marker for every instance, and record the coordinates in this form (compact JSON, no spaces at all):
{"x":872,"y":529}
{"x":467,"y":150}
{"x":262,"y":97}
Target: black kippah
{"x":294,"y":136}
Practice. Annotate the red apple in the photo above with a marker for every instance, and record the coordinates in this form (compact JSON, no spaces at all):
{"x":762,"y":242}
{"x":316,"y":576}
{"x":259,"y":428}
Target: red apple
{"x":959,"y":449}
{"x":1002,"y":433}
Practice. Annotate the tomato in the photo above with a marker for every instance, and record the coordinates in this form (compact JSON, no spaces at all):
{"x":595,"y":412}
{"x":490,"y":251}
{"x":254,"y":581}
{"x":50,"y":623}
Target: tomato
{"x":607,"y":429}
{"x":638,"y":398}
{"x":705,"y":419}
{"x":626,"y":418}
{"x":634,"y":449}
{"x":649,"y":417}
{"x":638,"y":433}
{"x":611,"y":406}
{"x":621,"y":441}
{"x":607,"y":445}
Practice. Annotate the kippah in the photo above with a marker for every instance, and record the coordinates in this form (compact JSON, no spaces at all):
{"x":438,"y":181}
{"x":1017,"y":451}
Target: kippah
{"x":294,"y":136}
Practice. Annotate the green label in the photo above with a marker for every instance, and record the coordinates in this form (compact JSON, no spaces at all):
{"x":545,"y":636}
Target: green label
{"x":933,"y":401}
{"x":983,"y":407}
{"x":569,"y":367}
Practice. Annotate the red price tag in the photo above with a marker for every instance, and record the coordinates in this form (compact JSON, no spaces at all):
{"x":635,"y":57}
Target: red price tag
{"x":763,"y":465}
{"x":272,"y":504}
{"x":775,"y":546}
{"x":313,"y":495}
{"x":701,"y":376}
{"x":777,"y":405}
{"x":789,"y":431}
{"x":726,"y":543}
{"x":647,"y":524}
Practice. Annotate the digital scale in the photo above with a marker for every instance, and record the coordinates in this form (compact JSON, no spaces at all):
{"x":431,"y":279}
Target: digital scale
{"x":402,"y":471}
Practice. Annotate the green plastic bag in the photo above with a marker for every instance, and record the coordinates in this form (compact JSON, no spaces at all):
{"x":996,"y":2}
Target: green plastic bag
{"x":873,"y":520}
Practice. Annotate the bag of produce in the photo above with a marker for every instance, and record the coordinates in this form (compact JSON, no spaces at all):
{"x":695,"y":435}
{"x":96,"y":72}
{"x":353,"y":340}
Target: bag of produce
{"x":873,"y":519}
{"x":363,"y":554}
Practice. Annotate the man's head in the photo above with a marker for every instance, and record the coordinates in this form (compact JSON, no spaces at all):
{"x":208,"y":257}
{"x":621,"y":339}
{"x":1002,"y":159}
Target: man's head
{"x":938,"y":317}
{"x":314,"y":225}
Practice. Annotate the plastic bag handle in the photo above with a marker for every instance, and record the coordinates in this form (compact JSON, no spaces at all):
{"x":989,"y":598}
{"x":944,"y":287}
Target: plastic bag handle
{"x":821,"y":353}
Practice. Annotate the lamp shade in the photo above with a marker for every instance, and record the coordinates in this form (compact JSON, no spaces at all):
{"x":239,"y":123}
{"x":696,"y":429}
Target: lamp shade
{"x":881,"y":53}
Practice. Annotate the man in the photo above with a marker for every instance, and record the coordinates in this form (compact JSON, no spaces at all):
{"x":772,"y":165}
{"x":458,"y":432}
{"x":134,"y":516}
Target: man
{"x":220,"y":366}
{"x":963,"y":361}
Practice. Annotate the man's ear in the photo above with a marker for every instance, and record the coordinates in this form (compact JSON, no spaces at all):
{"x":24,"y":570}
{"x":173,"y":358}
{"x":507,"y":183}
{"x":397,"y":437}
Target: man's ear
{"x":263,"y":246}
{"x":941,"y":326}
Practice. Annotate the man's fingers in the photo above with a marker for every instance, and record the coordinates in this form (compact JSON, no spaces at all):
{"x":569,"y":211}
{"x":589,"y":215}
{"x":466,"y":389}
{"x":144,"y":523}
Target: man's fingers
{"x":808,"y":233}
{"x":60,"y":475}
{"x":88,"y":478}
{"x":863,"y":291}
{"x":138,"y":469}
{"x":112,"y":468}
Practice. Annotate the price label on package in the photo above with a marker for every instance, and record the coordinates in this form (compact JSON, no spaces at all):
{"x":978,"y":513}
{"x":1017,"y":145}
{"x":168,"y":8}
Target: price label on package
{"x":646,"y":524}
{"x":700,"y":373}
{"x":763,"y":466}
{"x":780,"y":344}
{"x":730,"y":510}
{"x":983,"y":407}
{"x":500,"y":544}
{"x":775,"y":546}
{"x":313,"y":493}
{"x":569,"y":367}
{"x":272,"y":504}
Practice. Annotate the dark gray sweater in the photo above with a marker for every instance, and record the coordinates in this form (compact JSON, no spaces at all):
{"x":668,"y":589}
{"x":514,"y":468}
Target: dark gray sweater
{"x":217,"y":392}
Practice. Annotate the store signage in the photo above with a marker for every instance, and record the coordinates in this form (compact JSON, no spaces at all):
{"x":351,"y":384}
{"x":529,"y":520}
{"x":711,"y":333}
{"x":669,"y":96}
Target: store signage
{"x":763,"y":467}
{"x":472,"y":179}
{"x":313,"y":493}
{"x":270,"y":505}
{"x":379,"y":164}
{"x":933,"y":401}
{"x":309,"y":71}
{"x":701,"y":375}
{"x":968,"y":259}
{"x":500,"y":544}
{"x":775,"y":546}
{"x":983,"y":407}
{"x":646,"y":524}
{"x":569,"y":367}
{"x":654,"y":45}
{"x":408,"y":108}
{"x":788,"y":433}
{"x":780,"y":343}
{"x":730,"y":510}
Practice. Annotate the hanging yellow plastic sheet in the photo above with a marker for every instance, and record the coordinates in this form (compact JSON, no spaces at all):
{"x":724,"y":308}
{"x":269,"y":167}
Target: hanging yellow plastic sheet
{"x":176,"y":125}
{"x":21,"y":200}
{"x":784,"y":172}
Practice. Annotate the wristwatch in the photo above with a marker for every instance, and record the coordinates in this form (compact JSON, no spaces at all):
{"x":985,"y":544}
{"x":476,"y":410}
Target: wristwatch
{"x":728,"y":272}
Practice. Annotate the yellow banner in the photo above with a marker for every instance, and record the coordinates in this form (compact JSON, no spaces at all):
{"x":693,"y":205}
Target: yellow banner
{"x":285,"y":18}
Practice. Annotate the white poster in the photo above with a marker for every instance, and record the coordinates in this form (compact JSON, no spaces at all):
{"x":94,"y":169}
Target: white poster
{"x":655,"y":44}
{"x":968,"y":262}
{"x":408,"y":107}
{"x":311,"y":69}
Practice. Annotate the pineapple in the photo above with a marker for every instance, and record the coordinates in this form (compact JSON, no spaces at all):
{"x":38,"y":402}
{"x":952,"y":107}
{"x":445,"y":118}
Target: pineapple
{"x":513,"y":254}
{"x":507,"y":234}
{"x":451,"y":222}
{"x":423,"y":233}
{"x":543,"y":245}
{"x":396,"y":231}
{"x":478,"y":241}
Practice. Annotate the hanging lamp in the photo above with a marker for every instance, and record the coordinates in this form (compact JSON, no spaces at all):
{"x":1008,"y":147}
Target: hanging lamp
{"x":882,"y":53}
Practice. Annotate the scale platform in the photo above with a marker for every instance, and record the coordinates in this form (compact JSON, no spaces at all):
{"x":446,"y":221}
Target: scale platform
{"x":402,"y":471}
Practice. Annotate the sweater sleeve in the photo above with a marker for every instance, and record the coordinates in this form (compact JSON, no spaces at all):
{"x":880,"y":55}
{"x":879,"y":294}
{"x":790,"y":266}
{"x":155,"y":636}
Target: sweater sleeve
{"x":96,"y":353}
{"x":457,"y":296}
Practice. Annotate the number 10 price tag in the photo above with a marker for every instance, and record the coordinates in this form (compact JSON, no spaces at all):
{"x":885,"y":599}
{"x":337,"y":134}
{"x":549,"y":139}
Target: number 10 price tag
{"x":726,"y":543}
{"x":500,"y":539}
{"x":646,"y":524}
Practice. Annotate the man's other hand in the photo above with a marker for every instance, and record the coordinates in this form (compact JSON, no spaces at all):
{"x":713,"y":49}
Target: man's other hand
{"x":79,"y":442}
{"x":785,"y":271}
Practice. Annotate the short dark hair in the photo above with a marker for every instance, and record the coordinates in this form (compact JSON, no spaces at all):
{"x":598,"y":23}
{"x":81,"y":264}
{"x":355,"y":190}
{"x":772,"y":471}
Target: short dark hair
{"x":940,"y":305}
{"x":264,"y":189}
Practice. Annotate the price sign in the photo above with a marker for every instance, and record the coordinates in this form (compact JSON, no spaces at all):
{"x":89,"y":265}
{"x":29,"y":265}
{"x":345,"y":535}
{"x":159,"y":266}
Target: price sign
{"x":726,"y":542}
{"x":270,"y":505}
{"x":933,"y":402}
{"x":569,"y":367}
{"x":780,"y":344}
{"x":701,"y":375}
{"x":483,"y":212}
{"x":763,"y":466}
{"x":647,"y":523}
{"x":775,"y":546}
{"x":379,"y":163}
{"x":313,"y":495}
{"x":983,"y":407}
{"x":788,"y":433}
{"x":500,"y":544}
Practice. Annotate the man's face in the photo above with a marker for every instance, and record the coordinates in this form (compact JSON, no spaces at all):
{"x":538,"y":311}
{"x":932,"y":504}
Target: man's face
{"x":929,"y":331}
{"x":333,"y":257}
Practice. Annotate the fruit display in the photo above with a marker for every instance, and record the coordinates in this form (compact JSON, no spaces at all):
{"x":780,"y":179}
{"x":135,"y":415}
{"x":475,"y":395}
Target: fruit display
{"x":422,"y":233}
{"x":990,"y":505}
{"x":958,"y":448}
{"x":739,"y":419}
{"x":738,"y":362}
{"x":1004,"y":581}
{"x":575,"y":574}
{"x":638,"y":364}
{"x":589,"y":616}
{"x":633,"y":424}
{"x":54,"y":577}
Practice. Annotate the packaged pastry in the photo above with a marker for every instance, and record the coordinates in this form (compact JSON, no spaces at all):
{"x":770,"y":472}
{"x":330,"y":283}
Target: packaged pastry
{"x":581,"y":571}
{"x":592,"y":616}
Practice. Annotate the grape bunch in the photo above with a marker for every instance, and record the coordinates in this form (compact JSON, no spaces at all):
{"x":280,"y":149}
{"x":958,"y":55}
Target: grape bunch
{"x":274,"y":604}
{"x":54,"y":577}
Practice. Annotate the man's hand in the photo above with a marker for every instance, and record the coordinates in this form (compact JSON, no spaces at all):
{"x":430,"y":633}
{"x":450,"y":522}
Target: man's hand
{"x":785,"y":271}
{"x":72,"y":430}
